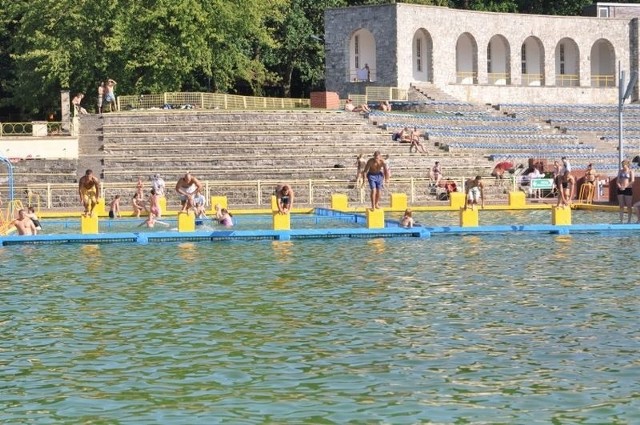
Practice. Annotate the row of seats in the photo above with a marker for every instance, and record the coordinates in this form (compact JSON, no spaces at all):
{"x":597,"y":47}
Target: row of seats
{"x":528,"y":147}
{"x":507,"y":156}
{"x":477,"y":128}
{"x":465,"y":135}
{"x":588,"y":106}
{"x":458,"y":116}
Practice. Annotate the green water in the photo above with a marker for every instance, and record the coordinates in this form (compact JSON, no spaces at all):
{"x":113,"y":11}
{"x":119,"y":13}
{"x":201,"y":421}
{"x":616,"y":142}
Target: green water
{"x":452,"y":329}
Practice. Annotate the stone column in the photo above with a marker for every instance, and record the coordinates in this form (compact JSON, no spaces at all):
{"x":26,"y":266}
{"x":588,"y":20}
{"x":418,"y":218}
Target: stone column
{"x":65,"y":111}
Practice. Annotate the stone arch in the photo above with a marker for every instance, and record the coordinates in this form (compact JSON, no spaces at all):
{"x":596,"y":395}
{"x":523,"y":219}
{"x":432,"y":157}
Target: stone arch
{"x":567,"y":63}
{"x":422,"y":48}
{"x":603,"y":64}
{"x":466,"y":59}
{"x":499,"y":61}
{"x":362,"y":56}
{"x":532,"y":62}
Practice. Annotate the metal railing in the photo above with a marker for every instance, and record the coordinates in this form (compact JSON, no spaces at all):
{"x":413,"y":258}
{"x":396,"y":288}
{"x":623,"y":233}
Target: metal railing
{"x":33,"y":128}
{"x":464,"y":77}
{"x":7,"y":214}
{"x":499,"y":78}
{"x":251,"y":194}
{"x":603,"y":80}
{"x":532,"y":79}
{"x":186,"y":100}
{"x":567,"y":80}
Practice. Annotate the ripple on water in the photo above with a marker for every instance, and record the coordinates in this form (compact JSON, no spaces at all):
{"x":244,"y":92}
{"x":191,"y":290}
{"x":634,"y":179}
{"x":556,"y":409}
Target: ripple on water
{"x":532,"y":329}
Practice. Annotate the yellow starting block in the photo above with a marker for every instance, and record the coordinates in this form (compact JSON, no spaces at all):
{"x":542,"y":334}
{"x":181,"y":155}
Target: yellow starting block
{"x":375,"y":218}
{"x":339,"y":201}
{"x":89,"y":225}
{"x":469,"y":217}
{"x":281,"y":221}
{"x":186,"y":222}
{"x":561,"y":216}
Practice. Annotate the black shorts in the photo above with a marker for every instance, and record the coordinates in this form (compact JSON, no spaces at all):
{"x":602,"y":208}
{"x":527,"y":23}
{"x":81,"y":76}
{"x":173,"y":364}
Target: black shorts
{"x":627,"y":191}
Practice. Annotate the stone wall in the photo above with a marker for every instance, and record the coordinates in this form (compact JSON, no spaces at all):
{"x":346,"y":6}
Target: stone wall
{"x":394,"y":26}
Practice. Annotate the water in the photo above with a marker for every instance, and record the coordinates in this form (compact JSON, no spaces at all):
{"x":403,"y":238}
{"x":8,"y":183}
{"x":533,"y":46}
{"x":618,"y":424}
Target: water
{"x":452,"y":329}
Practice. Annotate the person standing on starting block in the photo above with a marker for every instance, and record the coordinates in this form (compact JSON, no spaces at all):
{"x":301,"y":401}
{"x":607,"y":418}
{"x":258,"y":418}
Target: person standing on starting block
{"x":475,"y":191}
{"x":284,"y":198}
{"x":187,"y":187}
{"x":377,"y":173}
{"x":89,"y":191}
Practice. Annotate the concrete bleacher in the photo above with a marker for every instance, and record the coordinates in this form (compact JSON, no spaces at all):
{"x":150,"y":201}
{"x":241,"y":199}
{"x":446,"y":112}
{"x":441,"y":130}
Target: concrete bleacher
{"x":254,"y":145}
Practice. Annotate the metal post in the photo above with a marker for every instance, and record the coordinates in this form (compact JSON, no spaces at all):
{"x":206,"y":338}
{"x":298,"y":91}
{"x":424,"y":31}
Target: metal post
{"x":620,"y":103}
{"x":259,"y":193}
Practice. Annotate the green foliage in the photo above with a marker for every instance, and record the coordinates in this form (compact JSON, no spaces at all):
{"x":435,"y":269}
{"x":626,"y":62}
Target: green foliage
{"x":241,"y":46}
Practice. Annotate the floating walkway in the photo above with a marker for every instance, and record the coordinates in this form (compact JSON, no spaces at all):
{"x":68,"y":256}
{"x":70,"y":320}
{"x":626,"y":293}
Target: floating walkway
{"x":391,"y":229}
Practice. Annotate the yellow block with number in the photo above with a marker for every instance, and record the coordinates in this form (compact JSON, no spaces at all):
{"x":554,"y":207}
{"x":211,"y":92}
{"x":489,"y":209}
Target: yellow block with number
{"x":281,"y":221}
{"x":339,"y":201}
{"x":89,"y":225}
{"x":186,"y":222}
{"x":375,"y":218}
{"x":561,"y":216}
{"x":469,"y":217}
{"x":274,"y":203}
{"x":398,"y":201}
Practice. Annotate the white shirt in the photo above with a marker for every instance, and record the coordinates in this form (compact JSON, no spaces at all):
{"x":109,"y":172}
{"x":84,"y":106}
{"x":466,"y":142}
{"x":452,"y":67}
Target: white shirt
{"x":158,"y":186}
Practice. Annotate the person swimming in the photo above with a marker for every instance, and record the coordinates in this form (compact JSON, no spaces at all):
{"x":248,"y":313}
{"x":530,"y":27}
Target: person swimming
{"x":223,"y":216}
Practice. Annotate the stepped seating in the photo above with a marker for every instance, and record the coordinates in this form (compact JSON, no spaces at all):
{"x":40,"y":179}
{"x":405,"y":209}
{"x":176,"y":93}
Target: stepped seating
{"x":255,"y":145}
{"x":533,"y":147}
{"x":45,"y":171}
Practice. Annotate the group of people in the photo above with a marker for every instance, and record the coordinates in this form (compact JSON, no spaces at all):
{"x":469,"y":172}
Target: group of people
{"x":412,"y":137}
{"x":106,"y":96}
{"x":188,"y":188}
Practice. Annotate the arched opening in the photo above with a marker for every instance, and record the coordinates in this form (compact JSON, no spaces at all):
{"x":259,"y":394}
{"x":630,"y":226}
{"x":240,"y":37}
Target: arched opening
{"x":362,"y":56}
{"x":532,"y":62}
{"x":603,"y":64}
{"x":567,"y":63}
{"x":499,"y":61}
{"x":466,"y":59}
{"x":422,"y":56}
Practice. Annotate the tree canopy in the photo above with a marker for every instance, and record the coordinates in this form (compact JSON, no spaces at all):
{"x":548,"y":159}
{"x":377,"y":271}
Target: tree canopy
{"x":150,"y":46}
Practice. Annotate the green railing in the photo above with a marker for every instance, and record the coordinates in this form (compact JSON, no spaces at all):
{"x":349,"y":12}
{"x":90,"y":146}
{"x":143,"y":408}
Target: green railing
{"x":184,"y":100}
{"x":33,"y":128}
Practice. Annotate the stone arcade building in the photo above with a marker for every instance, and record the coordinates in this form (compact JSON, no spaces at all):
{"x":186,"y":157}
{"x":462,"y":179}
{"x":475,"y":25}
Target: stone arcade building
{"x":480,"y":56}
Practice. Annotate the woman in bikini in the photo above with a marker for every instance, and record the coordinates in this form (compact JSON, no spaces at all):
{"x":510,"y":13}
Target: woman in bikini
{"x":624,"y":184}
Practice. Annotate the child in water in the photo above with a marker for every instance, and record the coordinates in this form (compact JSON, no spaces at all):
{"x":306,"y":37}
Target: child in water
{"x":151,"y":222}
{"x":407,"y":218}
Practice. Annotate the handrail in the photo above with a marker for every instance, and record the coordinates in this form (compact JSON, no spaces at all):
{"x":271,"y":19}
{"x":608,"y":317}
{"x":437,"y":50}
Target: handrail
{"x":308,"y":191}
{"x":201,"y":100}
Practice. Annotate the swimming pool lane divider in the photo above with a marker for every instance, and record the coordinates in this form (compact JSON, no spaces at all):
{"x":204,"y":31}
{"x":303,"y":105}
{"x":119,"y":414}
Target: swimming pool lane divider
{"x":392,"y":229}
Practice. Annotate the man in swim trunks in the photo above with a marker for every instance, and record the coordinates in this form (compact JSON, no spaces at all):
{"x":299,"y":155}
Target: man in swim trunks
{"x":187,"y":187}
{"x":377,"y":174}
{"x":24,"y":225}
{"x":89,"y":191}
{"x":110,"y":96}
{"x":284,"y":198}
{"x":475,"y":191}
